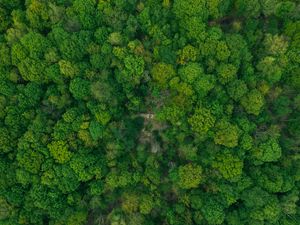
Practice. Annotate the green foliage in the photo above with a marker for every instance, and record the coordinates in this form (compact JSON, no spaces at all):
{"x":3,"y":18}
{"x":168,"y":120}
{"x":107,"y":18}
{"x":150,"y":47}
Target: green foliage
{"x":201,"y":121}
{"x":5,"y":141}
{"x":204,"y":84}
{"x":213,"y":212}
{"x":188,"y":53}
{"x":226,"y":73}
{"x":189,"y":8}
{"x":189,"y":176}
{"x":248,"y":7}
{"x":115,"y":38}
{"x":5,"y":58}
{"x":6,"y":209}
{"x":162,"y":73}
{"x":77,"y":218}
{"x":149,"y":112}
{"x":253,"y":101}
{"x":67,"y":69}
{"x":191,"y":72}
{"x":237,"y":89}
{"x":262,"y":206}
{"x":30,"y":160}
{"x":80,"y":88}
{"x":59,"y":151}
{"x":85,"y":12}
{"x":269,"y":69}
{"x":130,"y":202}
{"x":229,"y":166}
{"x":146,"y":204}
{"x":96,"y":130}
{"x":284,"y":9}
{"x":188,"y":152}
{"x":226,"y":134}
{"x":268,"y":151}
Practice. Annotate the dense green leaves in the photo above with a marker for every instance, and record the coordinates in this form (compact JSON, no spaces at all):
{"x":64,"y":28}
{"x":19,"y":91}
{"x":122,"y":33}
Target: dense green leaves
{"x":149,"y":112}
{"x":59,"y":151}
{"x":201,"y":121}
{"x":162,"y":73}
{"x":189,"y":176}
{"x":253,"y":101}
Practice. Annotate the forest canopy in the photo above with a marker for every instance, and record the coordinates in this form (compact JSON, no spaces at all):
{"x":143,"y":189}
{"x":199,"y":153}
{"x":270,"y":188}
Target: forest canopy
{"x":149,"y":112}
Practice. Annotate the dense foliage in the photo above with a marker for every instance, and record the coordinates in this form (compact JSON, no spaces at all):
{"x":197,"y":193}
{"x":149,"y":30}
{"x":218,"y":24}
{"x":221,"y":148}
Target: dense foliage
{"x":147,"y":112}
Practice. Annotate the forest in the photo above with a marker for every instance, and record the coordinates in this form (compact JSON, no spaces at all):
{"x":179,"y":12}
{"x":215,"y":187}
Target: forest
{"x":149,"y":112}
